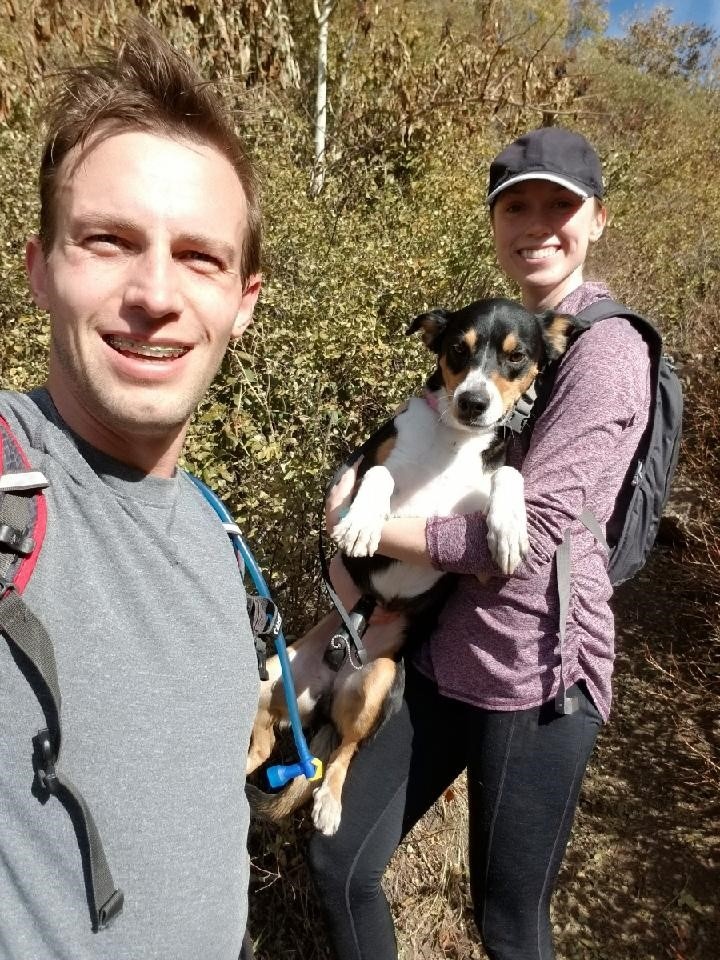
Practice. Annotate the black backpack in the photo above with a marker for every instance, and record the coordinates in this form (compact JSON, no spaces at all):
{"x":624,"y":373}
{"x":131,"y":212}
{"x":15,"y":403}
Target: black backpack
{"x":633,"y":526}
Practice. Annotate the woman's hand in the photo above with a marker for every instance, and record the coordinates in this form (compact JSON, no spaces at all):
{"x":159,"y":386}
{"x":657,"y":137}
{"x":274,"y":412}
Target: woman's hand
{"x":340,"y":496}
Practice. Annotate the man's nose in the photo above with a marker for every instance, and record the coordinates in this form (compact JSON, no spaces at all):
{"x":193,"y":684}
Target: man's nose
{"x":154,"y":284}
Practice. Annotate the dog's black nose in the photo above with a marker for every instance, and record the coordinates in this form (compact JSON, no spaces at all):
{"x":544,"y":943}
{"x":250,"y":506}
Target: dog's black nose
{"x":472,"y":405}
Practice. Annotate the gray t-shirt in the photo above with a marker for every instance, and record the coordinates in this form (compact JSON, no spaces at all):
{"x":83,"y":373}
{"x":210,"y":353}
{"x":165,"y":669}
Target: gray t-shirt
{"x":138,"y":588}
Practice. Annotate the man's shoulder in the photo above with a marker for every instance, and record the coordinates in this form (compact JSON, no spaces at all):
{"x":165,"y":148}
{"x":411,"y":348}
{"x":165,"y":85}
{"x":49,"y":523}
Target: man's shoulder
{"x":24,"y":415}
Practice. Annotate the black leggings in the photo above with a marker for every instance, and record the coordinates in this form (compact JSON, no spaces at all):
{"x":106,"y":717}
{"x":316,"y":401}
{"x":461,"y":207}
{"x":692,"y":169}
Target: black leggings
{"x":524,"y":769}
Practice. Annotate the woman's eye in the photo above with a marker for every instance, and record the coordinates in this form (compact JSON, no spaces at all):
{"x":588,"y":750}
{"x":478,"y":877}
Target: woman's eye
{"x":567,"y":203}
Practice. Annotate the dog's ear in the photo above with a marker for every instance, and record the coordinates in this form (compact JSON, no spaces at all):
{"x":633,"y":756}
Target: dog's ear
{"x":432,"y":325}
{"x":557,"y":329}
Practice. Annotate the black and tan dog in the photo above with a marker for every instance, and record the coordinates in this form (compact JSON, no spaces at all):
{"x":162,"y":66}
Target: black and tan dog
{"x":442,"y":454}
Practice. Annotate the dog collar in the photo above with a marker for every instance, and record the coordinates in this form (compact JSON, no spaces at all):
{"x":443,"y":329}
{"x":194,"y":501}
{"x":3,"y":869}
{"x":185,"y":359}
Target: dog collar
{"x":431,"y":400}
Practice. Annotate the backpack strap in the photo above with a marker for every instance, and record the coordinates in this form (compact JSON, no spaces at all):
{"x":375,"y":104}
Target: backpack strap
{"x":563,"y":567}
{"x":602,"y":309}
{"x":23,"y":629}
{"x":22,"y":527}
{"x":606,"y":308}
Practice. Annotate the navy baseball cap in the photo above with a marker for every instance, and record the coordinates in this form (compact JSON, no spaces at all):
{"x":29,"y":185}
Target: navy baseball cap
{"x":550,"y":153}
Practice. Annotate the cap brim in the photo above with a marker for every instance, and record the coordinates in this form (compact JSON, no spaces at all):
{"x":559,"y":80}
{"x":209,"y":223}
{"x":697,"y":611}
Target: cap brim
{"x":539,"y":175}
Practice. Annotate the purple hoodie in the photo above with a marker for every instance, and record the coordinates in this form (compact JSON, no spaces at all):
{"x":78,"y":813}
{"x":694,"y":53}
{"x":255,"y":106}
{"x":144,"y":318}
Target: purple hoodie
{"x":496,"y":643}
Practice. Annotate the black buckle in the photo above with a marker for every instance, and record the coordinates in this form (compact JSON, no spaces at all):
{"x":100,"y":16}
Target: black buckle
{"x":16,"y":540}
{"x":336,"y":651}
{"x":265,"y":621}
{"x":261,"y":654}
{"x":46,"y":760}
{"x":111,"y":908}
{"x":274,"y":619}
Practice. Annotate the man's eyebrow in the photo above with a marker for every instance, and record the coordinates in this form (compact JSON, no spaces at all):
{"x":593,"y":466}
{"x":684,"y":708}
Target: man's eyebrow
{"x":110,"y":223}
{"x":103,"y":222}
{"x":221,"y":248}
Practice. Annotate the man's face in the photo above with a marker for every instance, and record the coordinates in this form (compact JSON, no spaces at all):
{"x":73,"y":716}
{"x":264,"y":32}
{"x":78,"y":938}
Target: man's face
{"x":142,"y":284}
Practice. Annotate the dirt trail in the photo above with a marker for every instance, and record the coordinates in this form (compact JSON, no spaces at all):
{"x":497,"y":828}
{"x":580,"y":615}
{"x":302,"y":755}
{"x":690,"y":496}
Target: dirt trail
{"x":642,"y":877}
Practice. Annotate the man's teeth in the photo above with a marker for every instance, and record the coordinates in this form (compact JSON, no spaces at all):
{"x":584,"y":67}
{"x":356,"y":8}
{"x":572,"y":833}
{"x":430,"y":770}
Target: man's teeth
{"x":542,"y":254}
{"x":158,"y":351}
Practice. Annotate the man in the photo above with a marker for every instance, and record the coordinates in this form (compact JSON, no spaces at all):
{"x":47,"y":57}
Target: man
{"x":147,"y":262}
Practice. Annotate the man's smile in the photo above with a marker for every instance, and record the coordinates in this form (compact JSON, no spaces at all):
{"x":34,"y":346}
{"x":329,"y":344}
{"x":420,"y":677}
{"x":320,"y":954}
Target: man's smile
{"x":150,"y":351}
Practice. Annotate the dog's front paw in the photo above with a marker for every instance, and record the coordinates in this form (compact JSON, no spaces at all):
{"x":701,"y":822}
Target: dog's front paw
{"x":358,"y":534}
{"x":506,"y":520}
{"x":326,"y":811}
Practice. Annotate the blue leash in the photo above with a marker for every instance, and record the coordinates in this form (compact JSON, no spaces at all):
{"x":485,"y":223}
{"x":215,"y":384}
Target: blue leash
{"x":307,"y":765}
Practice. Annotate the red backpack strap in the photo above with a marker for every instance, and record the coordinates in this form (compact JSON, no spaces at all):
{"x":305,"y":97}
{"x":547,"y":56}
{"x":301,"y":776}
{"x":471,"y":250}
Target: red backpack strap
{"x":23,"y":512}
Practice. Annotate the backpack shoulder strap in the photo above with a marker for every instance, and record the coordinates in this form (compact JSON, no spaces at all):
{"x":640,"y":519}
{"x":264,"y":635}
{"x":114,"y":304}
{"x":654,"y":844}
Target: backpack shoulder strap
{"x":602,"y":309}
{"x":535,"y":400}
{"x":22,"y":528}
{"x":607,"y":307}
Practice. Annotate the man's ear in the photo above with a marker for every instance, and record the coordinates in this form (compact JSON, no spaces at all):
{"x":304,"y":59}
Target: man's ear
{"x":37,"y":272}
{"x":557,"y":329}
{"x":433,"y":326}
{"x":244,"y":316}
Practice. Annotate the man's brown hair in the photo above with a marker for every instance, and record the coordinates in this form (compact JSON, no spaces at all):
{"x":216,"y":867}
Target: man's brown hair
{"x":143,"y":84}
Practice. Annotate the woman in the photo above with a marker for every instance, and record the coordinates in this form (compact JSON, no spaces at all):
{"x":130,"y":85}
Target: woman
{"x":480,"y":693}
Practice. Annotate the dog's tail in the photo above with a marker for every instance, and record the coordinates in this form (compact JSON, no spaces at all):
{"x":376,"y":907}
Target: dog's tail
{"x":277,"y":806}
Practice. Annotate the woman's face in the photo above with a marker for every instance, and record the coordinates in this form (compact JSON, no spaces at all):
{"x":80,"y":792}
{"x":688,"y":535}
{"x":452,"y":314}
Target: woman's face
{"x":542,"y":232}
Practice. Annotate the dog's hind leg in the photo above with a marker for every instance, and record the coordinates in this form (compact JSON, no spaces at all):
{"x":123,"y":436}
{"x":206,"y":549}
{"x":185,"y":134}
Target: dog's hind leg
{"x":276,"y":806}
{"x":356,"y":711}
{"x":262,"y":741}
{"x":311,"y":677}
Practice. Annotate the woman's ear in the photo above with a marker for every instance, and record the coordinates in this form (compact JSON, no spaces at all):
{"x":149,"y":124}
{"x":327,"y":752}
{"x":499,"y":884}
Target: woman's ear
{"x":598,"y":221}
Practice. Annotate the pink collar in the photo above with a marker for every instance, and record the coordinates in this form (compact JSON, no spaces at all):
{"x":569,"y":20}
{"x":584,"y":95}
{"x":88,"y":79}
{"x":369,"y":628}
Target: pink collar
{"x":431,"y":400}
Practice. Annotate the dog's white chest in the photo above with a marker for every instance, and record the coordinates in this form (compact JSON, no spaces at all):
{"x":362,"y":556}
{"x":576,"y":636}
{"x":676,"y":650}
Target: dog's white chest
{"x":433,"y":469}
{"x":437,"y":470}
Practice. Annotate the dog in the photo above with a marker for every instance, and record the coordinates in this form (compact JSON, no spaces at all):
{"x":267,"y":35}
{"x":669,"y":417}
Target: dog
{"x":441,"y":454}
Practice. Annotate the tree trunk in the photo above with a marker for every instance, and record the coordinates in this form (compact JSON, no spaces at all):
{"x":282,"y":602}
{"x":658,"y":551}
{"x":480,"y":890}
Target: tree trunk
{"x":322,"y":10}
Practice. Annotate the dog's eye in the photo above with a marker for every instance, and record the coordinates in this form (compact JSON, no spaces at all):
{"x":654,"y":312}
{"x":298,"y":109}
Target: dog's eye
{"x":459,"y":350}
{"x":517,"y":356}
